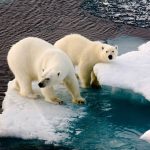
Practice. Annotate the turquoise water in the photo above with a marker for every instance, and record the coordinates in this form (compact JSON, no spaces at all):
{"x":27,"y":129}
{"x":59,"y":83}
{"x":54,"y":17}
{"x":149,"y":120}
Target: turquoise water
{"x":115,"y":120}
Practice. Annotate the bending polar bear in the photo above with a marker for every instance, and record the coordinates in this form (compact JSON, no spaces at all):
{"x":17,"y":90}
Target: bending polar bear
{"x":35,"y":59}
{"x":85,"y":54}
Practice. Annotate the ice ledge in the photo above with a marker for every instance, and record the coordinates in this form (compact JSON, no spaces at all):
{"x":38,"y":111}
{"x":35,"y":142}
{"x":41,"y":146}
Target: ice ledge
{"x":130,"y":71}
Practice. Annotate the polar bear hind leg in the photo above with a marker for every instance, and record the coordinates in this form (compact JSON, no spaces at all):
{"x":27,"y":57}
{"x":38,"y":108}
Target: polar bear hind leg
{"x":94,"y":82}
{"x":15,"y":85}
{"x":25,"y":87}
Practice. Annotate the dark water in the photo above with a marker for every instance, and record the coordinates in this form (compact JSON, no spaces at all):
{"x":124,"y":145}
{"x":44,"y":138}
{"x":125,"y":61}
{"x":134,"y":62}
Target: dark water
{"x":131,"y":12}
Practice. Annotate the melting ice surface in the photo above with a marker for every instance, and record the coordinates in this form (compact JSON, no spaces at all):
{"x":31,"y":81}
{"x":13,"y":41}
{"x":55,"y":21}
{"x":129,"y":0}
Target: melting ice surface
{"x":36,"y":119}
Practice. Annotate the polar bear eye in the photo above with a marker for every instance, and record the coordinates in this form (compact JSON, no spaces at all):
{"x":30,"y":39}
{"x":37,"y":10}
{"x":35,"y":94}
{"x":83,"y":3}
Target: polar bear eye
{"x":102,"y":47}
{"x":112,"y":51}
{"x":106,"y":51}
{"x":58,"y":74}
{"x":47,"y":79}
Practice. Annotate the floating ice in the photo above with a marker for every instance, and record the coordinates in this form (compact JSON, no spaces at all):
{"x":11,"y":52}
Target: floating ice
{"x":37,"y":119}
{"x":146,"y":136}
{"x":130,"y":71}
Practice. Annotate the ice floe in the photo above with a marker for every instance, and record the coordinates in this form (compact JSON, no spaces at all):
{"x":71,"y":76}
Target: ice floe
{"x":38,"y":119}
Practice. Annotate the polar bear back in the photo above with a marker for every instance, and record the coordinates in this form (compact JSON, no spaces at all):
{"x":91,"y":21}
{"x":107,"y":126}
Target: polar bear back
{"x":28,"y":55}
{"x":74,"y":45}
{"x":28,"y":47}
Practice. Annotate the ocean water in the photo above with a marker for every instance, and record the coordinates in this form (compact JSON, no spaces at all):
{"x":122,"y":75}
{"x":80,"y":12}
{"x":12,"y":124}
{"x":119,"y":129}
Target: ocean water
{"x":115,"y":118}
{"x":5,"y":1}
{"x":131,"y":12}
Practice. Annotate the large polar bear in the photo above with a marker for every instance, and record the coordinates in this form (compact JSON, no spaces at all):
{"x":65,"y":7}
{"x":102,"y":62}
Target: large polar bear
{"x":85,"y":54}
{"x":35,"y":59}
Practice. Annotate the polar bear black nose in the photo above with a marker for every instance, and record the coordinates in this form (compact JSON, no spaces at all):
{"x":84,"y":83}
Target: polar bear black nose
{"x":110,"y":57}
{"x":41,"y":85}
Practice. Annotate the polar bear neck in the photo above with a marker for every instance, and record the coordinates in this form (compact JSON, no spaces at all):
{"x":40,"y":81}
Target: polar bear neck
{"x":96,"y":52}
{"x":48,"y":61}
{"x":53,"y":60}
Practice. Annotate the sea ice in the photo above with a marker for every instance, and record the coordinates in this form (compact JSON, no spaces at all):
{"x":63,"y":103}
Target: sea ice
{"x":37,"y":119}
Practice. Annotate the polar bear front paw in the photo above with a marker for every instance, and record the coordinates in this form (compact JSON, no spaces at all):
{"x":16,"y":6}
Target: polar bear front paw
{"x":30,"y":96}
{"x":33,"y":96}
{"x":79,"y":100}
{"x":55,"y":101}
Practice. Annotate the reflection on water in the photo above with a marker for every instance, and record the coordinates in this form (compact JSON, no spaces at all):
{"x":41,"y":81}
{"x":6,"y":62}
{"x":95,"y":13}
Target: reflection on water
{"x":115,"y":120}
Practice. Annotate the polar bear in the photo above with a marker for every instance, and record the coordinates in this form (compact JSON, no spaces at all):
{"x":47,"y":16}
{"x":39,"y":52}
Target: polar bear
{"x":85,"y":53}
{"x":33,"y":59}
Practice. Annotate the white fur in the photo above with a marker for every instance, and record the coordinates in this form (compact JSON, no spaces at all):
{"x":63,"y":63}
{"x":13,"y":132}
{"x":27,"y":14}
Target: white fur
{"x":35,"y":59}
{"x":85,"y":54}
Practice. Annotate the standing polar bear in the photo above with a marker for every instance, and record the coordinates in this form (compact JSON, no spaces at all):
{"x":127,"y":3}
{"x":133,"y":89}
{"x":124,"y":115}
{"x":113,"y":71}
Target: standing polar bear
{"x":85,"y":54}
{"x":35,"y":59}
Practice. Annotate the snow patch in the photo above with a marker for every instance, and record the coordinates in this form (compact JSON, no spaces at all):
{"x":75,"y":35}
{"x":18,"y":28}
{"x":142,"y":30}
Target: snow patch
{"x":37,"y":119}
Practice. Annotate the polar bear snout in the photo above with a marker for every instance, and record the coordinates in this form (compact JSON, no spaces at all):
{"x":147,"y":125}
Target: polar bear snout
{"x":110,"y":57}
{"x":43,"y":83}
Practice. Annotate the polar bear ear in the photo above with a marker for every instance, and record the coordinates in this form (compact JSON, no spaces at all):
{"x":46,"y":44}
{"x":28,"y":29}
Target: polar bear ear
{"x":44,"y":73}
{"x":116,"y":47}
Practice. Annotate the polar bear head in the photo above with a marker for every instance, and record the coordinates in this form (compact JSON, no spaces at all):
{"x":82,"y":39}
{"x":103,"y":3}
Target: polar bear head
{"x":50,"y":77}
{"x":107,"y":52}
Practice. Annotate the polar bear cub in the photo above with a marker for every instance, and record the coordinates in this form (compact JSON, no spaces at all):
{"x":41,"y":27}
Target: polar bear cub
{"x":85,"y":53}
{"x":35,"y":59}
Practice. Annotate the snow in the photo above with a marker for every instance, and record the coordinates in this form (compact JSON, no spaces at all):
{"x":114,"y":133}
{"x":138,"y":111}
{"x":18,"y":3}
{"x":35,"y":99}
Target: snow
{"x":129,"y":71}
{"x":38,"y":119}
{"x":146,"y":136}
